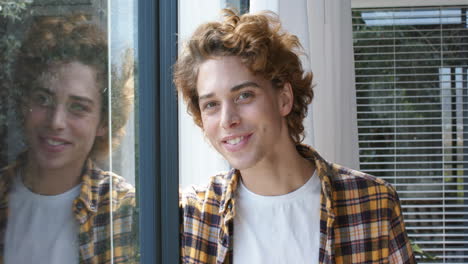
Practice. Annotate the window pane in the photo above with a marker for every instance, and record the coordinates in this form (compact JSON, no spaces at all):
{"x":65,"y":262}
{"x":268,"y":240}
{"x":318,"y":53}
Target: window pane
{"x":122,"y":102}
{"x":68,"y":133}
{"x":411,"y":84}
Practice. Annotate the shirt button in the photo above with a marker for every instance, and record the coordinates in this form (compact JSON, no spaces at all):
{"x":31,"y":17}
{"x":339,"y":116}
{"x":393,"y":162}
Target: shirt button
{"x":79,"y":205}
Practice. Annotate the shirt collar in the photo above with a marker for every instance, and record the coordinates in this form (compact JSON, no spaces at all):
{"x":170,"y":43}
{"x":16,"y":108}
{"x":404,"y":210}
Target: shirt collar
{"x":231,"y":181}
{"x":324,"y":171}
{"x":89,"y":194}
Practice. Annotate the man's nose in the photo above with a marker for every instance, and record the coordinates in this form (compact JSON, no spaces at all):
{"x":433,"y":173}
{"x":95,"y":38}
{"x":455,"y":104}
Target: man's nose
{"x":229,"y":116}
{"x":57,"y":117}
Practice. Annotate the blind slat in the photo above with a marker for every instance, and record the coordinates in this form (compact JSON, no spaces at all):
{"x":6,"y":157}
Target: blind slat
{"x":448,"y":199}
{"x":410,"y":170}
{"x":407,"y":31}
{"x":410,"y":45}
{"x":406,"y":75}
{"x":405,"y":112}
{"x":413,"y":155}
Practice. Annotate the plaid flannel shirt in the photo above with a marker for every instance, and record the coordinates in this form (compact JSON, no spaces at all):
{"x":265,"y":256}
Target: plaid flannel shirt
{"x":92,"y":211}
{"x":360,"y":219}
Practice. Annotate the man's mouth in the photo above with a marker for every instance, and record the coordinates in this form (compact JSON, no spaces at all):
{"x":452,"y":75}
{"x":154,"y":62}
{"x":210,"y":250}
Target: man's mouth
{"x":235,"y":141}
{"x":53,"y":142}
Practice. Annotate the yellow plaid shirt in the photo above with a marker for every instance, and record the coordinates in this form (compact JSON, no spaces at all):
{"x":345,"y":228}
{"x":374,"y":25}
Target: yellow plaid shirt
{"x":360,"y":220}
{"x":92,"y":210}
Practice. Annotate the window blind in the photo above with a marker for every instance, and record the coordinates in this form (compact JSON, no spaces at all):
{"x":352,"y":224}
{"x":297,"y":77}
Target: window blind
{"x":412,"y":104}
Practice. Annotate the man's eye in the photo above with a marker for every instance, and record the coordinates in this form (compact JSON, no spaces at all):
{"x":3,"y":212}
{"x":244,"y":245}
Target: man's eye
{"x":42,"y":99}
{"x":210,"y":105}
{"x":77,"y":108}
{"x":245,"y":96}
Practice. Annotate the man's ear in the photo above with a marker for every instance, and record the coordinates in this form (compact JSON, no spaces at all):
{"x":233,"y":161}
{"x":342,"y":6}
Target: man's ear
{"x":286,"y":99}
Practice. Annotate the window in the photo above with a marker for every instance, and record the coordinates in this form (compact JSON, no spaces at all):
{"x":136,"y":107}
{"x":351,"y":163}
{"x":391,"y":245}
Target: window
{"x":68,"y":105}
{"x":412,"y":101}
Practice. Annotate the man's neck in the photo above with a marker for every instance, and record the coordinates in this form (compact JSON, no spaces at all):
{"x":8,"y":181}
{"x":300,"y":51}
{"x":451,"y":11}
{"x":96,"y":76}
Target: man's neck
{"x":50,"y":181}
{"x":280,"y":173}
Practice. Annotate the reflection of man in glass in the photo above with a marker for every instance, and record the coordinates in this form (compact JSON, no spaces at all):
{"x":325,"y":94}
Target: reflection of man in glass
{"x":282,"y":203}
{"x":56,"y":206}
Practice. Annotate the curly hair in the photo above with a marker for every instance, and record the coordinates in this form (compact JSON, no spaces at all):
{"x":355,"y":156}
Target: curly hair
{"x":56,"y":40}
{"x":263,"y":47}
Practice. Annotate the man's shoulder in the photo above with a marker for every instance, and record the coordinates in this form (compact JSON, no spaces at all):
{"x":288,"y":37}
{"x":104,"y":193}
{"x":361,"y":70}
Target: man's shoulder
{"x":211,"y":193}
{"x":345,"y":179}
{"x":352,"y":189}
{"x":102,"y":179}
{"x":206,"y":204}
{"x":106,"y":185}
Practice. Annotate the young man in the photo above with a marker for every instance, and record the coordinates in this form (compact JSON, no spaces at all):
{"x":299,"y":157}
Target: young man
{"x":56,"y":205}
{"x":281,"y":203}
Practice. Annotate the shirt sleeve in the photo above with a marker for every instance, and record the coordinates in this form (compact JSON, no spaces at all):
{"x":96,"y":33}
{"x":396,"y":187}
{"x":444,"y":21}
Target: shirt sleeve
{"x":399,"y":244}
{"x":125,"y":236}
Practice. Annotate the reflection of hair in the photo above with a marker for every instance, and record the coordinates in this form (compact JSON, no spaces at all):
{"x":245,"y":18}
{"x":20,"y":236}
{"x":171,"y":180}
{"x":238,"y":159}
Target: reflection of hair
{"x":262,"y":46}
{"x":53,"y":40}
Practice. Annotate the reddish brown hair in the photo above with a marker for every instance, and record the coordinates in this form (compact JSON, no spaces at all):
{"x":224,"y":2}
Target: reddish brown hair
{"x":261,"y":44}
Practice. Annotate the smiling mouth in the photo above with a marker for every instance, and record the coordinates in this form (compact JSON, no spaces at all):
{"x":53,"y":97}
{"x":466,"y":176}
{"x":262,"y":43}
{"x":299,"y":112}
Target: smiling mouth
{"x":55,"y":142}
{"x":234,"y":141}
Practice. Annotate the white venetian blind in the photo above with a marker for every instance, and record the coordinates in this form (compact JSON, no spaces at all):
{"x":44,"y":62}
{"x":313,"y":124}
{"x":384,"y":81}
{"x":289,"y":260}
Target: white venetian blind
{"x":412,"y":101}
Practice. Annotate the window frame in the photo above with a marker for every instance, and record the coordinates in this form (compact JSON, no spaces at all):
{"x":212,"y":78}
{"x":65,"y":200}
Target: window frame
{"x":158,"y":123}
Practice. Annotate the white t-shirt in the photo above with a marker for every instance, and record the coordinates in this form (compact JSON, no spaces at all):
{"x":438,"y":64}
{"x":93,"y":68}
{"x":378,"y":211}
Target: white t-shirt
{"x":278,"y":229}
{"x":41,"y":229}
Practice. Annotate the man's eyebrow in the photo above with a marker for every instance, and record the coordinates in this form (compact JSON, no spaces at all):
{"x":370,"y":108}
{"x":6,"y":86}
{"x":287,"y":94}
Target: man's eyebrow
{"x":42,"y":89}
{"x":205,"y":96}
{"x":82,"y":98}
{"x":233,"y":89}
{"x":243,"y":85}
{"x":74,"y":97}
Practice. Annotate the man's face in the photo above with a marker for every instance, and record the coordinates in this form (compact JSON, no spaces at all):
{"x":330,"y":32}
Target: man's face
{"x":242,"y":114}
{"x":63,"y":116}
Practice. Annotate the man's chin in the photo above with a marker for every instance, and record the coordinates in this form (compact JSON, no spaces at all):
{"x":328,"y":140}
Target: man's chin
{"x":240,"y":164}
{"x":51,"y":163}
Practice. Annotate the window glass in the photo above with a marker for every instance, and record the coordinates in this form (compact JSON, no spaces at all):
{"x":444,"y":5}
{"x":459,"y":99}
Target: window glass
{"x":67,"y":131}
{"x":411,"y":83}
